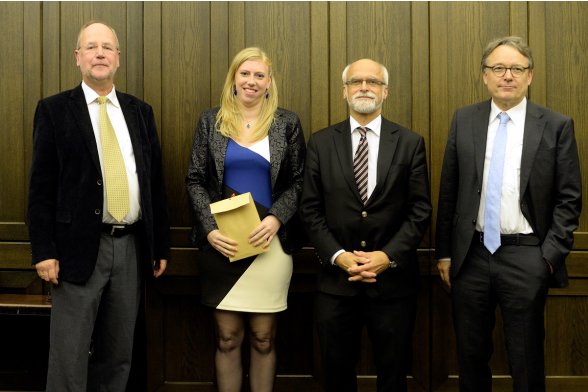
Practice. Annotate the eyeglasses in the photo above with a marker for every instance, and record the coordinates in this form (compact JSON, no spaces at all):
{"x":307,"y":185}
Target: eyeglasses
{"x":500,"y":70}
{"x":93,"y":48}
{"x":369,"y":82}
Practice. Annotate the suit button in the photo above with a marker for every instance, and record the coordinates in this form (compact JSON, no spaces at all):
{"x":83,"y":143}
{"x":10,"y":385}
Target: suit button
{"x":364,"y":214}
{"x":97,"y":211}
{"x":363,"y":244}
{"x":99,"y":182}
{"x":473,"y":221}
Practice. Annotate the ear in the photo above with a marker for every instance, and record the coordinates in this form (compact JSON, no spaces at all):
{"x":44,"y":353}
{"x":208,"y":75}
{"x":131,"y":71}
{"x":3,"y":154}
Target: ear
{"x":77,"y":56}
{"x":344,"y":92}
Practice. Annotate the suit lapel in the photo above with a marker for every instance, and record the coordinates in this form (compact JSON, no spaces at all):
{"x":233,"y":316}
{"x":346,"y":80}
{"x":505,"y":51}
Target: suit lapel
{"x":277,"y":148}
{"x":480,"y":134}
{"x":534,"y":126}
{"x":388,"y":143}
{"x":134,"y":125}
{"x":79,"y":108}
{"x":342,"y":145}
{"x":218,"y":149}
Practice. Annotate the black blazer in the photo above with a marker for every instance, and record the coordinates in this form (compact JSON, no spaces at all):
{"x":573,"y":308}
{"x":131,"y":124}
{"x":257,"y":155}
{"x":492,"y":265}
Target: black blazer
{"x":394,"y":219}
{"x":66,"y":194}
{"x":550,"y":184}
{"x":204,"y":181}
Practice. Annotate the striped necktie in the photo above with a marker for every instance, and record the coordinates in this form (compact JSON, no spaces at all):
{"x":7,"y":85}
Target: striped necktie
{"x":115,"y":173}
{"x":360,"y":165}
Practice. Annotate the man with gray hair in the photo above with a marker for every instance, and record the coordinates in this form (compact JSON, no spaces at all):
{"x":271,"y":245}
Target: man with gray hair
{"x":509,"y":201}
{"x":97,"y":217}
{"x":365,"y":204}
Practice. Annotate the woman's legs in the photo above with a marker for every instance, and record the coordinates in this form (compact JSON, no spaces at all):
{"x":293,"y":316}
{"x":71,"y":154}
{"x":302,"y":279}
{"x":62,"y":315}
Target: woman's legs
{"x":229,"y":372}
{"x":263,"y":353}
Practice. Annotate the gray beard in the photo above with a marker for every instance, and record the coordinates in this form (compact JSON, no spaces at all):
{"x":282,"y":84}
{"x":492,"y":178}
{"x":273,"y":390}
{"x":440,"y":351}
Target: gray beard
{"x":364,"y":107}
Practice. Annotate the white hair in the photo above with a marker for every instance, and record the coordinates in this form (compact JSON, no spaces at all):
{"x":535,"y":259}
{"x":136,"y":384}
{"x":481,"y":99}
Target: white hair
{"x":384,"y":70}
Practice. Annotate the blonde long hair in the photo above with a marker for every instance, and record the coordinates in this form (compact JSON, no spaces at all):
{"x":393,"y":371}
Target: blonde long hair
{"x":229,"y":118}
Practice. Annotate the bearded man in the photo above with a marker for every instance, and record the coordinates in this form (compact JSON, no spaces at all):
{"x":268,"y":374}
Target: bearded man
{"x":365,"y":204}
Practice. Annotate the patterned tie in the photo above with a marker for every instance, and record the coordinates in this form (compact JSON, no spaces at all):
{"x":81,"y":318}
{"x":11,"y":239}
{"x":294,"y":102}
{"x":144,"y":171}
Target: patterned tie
{"x":360,"y":165}
{"x":115,"y":174}
{"x":494,"y":188}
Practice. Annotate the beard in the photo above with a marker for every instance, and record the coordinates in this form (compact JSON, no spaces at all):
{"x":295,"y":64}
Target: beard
{"x":362,"y":105}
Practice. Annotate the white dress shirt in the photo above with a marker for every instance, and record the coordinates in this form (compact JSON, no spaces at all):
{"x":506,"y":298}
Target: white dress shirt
{"x":512,"y":220}
{"x":124,"y":141}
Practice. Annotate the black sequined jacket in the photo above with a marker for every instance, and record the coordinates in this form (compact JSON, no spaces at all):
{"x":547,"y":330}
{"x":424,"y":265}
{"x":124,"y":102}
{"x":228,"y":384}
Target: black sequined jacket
{"x":204,"y":181}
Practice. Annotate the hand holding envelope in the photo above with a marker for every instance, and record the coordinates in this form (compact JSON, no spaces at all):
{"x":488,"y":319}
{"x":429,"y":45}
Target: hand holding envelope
{"x":236,"y":217}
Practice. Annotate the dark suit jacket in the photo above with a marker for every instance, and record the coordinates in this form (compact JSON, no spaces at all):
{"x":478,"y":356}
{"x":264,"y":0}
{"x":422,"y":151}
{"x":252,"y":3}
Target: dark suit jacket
{"x":204,"y":181}
{"x":66,"y":194}
{"x":393,"y":220}
{"x":550,"y":187}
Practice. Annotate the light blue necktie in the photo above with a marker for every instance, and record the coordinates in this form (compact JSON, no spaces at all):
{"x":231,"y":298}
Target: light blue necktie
{"x":494,"y":188}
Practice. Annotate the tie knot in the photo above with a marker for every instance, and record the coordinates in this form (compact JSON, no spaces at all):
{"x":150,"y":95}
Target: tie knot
{"x":102,"y":100}
{"x":503,"y":117}
{"x":362,"y":131}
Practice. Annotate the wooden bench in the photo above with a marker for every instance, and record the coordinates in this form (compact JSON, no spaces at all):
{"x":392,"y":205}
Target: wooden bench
{"x":25,"y":304}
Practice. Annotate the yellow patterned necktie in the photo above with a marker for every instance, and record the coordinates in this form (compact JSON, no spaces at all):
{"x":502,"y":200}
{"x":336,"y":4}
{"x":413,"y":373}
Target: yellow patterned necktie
{"x":115,"y":174}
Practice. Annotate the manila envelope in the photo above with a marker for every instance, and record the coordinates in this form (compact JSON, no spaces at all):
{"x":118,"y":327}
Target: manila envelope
{"x":236,"y":218}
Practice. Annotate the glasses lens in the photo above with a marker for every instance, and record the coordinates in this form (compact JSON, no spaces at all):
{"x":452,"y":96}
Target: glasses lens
{"x":369,"y":82}
{"x":517,"y":71}
{"x":499,"y":70}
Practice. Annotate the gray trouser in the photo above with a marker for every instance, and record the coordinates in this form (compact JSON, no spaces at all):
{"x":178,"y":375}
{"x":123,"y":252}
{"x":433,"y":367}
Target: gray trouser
{"x":102,"y":313}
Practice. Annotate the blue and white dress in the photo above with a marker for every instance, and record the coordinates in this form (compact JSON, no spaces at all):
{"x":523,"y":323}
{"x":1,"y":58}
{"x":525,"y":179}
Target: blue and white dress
{"x":256,"y":284}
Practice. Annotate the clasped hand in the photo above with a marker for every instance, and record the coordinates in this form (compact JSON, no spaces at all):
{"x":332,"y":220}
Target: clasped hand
{"x":363,"y":266}
{"x":262,"y":236}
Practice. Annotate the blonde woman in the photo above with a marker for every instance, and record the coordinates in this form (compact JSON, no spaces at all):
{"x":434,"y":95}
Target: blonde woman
{"x":249,"y":144}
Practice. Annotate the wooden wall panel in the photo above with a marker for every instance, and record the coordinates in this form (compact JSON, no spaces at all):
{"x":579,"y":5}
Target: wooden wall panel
{"x":185,"y":75}
{"x":566,"y":343}
{"x":175,"y":55}
{"x":31,"y":85}
{"x":219,"y":55}
{"x":12,"y":160}
{"x":337,"y":60}
{"x":152,"y":53}
{"x":319,"y":68}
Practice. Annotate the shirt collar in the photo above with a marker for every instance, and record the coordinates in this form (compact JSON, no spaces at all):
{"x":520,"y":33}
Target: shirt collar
{"x":92,"y":96}
{"x":517,"y":114}
{"x":375,"y":125}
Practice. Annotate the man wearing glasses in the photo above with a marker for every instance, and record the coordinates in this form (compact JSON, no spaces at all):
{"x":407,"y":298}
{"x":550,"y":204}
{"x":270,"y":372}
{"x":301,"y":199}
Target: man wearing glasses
{"x":509,"y":202}
{"x":365,"y":203}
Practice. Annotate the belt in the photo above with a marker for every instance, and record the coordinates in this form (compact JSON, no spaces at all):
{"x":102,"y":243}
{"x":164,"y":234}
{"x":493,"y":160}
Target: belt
{"x":116,"y":230}
{"x":514,"y":239}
